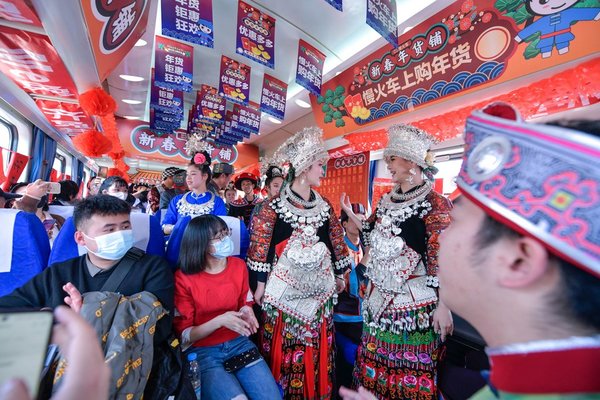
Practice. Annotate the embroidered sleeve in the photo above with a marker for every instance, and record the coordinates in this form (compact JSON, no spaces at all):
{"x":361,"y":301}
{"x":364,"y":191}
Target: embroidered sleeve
{"x":261,"y":238}
{"x":367,"y":227}
{"x":340,"y":255}
{"x":436,"y":221}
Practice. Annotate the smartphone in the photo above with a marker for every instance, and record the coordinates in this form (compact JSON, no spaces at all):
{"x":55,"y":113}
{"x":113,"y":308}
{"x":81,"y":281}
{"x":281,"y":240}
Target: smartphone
{"x":24,"y":339}
{"x":53,"y":187}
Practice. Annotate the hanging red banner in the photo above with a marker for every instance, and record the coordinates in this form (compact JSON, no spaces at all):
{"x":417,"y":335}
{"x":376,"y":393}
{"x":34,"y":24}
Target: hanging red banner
{"x":467,"y":46}
{"x":349,"y":174}
{"x":19,"y":11}
{"x":33,"y":64}
{"x":114,"y":27}
{"x":68,"y":118}
{"x":15,"y":169}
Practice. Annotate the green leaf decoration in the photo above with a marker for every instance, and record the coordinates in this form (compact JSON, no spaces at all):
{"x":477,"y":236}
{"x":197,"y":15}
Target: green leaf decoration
{"x":337,"y":102}
{"x":325,"y":108}
{"x":320,"y":99}
{"x":337,"y":115}
{"x":339,"y":90}
{"x":328,"y":118}
{"x":339,"y":123}
{"x":532,"y":51}
{"x":329,"y":93}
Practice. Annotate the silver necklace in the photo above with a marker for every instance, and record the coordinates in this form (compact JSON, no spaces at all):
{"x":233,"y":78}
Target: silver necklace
{"x":297,"y":199}
{"x":396,"y":195}
{"x":295,"y":216}
{"x":185,"y":208}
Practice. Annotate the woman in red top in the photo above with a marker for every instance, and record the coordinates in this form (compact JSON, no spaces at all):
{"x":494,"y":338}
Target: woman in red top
{"x":215,"y":314}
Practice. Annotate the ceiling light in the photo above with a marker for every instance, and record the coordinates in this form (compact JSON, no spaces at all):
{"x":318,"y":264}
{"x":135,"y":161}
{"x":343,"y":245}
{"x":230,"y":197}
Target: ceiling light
{"x":131,"y":78}
{"x":128,"y":101}
{"x":140,"y":43}
{"x":337,"y":73}
{"x":302,"y":103}
{"x":274,"y":120}
{"x":131,"y":117}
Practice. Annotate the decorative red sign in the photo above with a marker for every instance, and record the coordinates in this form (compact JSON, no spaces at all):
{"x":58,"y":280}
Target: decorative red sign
{"x":114,"y":28}
{"x":18,"y":11}
{"x":68,"y":118}
{"x":33,"y":64}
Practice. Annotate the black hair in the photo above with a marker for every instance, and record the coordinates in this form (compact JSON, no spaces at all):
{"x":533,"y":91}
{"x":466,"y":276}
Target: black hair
{"x":113,"y":180}
{"x":204,"y":167}
{"x":579,"y":296}
{"x":101,"y":204}
{"x":270,"y":176}
{"x":68,"y":190}
{"x":230,"y":189}
{"x":196,"y":239}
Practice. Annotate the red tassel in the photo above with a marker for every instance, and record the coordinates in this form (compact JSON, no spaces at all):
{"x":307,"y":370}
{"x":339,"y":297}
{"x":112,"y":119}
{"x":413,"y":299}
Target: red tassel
{"x":92,"y":143}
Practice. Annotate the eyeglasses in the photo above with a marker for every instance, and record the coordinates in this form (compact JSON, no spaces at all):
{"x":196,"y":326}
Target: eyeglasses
{"x":222,"y":235}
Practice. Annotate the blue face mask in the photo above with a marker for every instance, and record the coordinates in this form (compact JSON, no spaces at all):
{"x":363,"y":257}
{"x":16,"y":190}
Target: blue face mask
{"x":223,"y":248}
{"x":114,"y":245}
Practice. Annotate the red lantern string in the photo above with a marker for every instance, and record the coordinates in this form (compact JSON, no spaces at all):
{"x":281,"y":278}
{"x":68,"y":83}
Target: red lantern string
{"x":92,"y":143}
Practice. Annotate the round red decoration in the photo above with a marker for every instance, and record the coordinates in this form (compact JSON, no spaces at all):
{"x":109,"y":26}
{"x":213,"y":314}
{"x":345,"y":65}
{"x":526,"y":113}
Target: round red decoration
{"x":92,"y":143}
{"x":97,"y":102}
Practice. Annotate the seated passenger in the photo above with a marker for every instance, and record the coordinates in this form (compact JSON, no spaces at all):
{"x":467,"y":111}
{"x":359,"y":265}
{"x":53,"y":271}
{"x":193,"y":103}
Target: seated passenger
{"x":114,"y":186}
{"x":103,"y":226}
{"x":215,"y":314}
{"x":7,"y":198}
{"x":68,"y":194}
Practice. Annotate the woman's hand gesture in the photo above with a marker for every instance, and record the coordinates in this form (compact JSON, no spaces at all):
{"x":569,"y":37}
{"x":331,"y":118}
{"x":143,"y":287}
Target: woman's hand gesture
{"x":233,"y":320}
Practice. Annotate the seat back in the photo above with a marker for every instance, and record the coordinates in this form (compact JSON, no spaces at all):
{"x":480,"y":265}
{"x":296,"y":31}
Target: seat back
{"x":63,"y":211}
{"x":239,"y":236}
{"x":24,"y":248}
{"x":147,"y":235}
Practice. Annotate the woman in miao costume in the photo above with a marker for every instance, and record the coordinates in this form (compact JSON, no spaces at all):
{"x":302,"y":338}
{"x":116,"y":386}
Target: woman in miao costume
{"x":404,"y":323}
{"x":297,"y":243}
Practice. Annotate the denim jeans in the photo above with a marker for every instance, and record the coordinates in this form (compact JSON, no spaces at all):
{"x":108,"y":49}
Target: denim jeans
{"x":254,"y":380}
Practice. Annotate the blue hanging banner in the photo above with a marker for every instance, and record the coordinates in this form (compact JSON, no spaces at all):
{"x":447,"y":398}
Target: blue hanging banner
{"x":309,"y":71}
{"x":337,"y":4}
{"x":382,"y":16}
{"x":189,"y":20}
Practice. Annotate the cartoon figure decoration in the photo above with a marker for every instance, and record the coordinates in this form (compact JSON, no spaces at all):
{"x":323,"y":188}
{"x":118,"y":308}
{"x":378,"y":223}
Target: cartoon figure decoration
{"x":553,"y":28}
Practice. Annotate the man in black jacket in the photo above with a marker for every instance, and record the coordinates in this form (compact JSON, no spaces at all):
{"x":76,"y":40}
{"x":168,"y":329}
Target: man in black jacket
{"x":104,"y":228}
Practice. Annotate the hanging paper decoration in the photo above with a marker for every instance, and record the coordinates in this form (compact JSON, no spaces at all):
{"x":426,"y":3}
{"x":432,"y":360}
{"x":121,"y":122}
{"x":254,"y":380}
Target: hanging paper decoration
{"x":248,"y":118}
{"x":255,"y":35}
{"x":189,"y":20}
{"x":209,"y":107}
{"x":337,"y":4}
{"x":309,"y":71}
{"x":273,"y":97}
{"x":173,"y":64}
{"x":16,"y":167}
{"x":92,"y":143}
{"x":168,"y":101}
{"x":235,"y":80}
{"x":19,"y":11}
{"x":382,"y":16}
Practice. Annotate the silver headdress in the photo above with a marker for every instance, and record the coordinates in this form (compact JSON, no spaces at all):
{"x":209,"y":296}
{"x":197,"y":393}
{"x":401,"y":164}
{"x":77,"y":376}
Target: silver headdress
{"x":197,"y":143}
{"x":273,"y":162}
{"x":303,"y":149}
{"x":410,"y":143}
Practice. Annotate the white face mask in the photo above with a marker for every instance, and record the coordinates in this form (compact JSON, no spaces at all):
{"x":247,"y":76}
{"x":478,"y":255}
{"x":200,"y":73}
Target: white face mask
{"x":223,"y":248}
{"x":119,"y":195}
{"x":112,"y":246}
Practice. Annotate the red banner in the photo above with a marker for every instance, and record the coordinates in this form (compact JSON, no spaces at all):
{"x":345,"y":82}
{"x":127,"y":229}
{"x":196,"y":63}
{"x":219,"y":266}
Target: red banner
{"x":68,"y":118}
{"x":18,"y":11}
{"x":349,"y":174}
{"x":114,"y":27}
{"x":15,"y":169}
{"x":469,"y":45}
{"x":33,"y":64}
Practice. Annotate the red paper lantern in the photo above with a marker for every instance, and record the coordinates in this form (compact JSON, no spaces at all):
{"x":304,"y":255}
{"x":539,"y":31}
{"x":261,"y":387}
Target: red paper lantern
{"x":92,"y":143}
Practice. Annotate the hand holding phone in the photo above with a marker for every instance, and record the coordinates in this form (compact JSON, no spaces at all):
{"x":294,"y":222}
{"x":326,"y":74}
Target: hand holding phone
{"x":24,"y":338}
{"x":53,"y":187}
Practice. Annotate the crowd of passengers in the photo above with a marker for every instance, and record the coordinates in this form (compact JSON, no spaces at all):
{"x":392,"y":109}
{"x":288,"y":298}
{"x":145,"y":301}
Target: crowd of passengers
{"x":325,"y":302}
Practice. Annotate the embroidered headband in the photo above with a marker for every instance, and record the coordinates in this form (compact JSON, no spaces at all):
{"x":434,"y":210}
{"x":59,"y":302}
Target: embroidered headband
{"x":542,"y":181}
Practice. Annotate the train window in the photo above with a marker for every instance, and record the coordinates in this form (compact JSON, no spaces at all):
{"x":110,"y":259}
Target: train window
{"x":8,"y":142}
{"x":60,"y":166}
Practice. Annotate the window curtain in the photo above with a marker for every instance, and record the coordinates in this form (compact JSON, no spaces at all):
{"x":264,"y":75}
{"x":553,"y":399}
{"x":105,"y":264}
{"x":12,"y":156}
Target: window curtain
{"x":77,"y":171}
{"x":42,"y":155}
{"x":372,"y":172}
